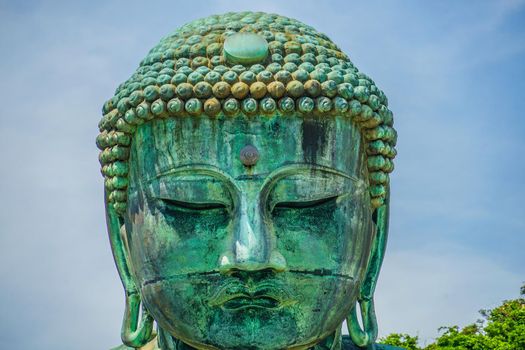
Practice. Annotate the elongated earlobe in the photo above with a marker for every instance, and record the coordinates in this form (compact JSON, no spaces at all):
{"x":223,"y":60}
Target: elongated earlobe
{"x":367,"y":335}
{"x":137,"y":330}
{"x":136,"y":333}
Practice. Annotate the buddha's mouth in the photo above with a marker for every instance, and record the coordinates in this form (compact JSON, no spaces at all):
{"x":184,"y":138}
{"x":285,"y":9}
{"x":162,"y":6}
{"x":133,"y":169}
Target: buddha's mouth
{"x":243,"y":302}
{"x":234,"y":295}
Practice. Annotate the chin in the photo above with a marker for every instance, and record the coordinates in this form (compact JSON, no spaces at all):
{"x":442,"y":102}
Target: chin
{"x":298,"y":324}
{"x":253,"y":328}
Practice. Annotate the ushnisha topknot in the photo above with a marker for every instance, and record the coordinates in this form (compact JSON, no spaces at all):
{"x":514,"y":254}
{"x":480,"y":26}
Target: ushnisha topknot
{"x":190,"y":73}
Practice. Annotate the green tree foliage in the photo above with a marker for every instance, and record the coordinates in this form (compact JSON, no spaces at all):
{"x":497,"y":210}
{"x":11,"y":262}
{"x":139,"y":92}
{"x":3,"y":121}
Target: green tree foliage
{"x":404,"y":341}
{"x":502,"y":328}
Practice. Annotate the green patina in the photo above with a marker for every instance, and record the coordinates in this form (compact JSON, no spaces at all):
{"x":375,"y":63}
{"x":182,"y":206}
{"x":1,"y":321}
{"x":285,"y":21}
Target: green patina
{"x":246,"y":173}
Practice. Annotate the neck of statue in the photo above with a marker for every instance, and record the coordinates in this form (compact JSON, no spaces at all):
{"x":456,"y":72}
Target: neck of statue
{"x":168,"y":342}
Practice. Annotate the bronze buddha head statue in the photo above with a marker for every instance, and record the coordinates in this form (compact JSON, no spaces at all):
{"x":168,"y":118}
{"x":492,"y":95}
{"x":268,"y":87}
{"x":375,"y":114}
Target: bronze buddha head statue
{"x":246,"y":168}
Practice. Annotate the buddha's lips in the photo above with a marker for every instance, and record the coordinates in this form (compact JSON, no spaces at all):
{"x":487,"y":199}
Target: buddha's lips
{"x":242,"y":301}
{"x":235,"y":295}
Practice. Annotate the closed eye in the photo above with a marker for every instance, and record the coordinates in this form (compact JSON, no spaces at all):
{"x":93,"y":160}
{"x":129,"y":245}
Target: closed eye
{"x":304,"y":204}
{"x":175,"y":204}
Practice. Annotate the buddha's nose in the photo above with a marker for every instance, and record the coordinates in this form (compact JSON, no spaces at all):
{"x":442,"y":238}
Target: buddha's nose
{"x":254,"y":247}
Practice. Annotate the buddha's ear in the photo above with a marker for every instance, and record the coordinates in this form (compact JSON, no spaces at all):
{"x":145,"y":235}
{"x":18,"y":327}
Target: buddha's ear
{"x":114,"y":223}
{"x":366,"y":336}
{"x":137,"y":329}
{"x":377,"y":253}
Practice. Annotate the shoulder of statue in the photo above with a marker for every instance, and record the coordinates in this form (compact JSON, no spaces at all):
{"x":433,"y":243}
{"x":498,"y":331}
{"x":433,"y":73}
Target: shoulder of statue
{"x":349,"y":345}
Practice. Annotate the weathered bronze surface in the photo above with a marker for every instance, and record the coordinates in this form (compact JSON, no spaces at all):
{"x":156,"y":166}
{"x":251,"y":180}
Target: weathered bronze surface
{"x":246,"y":176}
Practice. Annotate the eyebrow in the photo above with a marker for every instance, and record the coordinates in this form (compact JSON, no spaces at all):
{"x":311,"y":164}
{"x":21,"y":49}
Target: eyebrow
{"x":213,"y":171}
{"x":283,"y":170}
{"x":191,"y":169}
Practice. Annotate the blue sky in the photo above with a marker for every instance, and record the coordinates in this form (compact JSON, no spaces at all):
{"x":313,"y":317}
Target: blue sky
{"x":454,"y":73}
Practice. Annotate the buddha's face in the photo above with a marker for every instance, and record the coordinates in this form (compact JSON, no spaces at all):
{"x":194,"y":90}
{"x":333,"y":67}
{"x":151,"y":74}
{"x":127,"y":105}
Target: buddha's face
{"x":268,"y":256}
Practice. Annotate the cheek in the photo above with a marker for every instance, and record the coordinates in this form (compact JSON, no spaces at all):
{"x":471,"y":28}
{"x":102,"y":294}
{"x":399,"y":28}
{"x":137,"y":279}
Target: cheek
{"x":356,"y":236}
{"x":180,"y":305}
{"x":167,"y":246}
{"x":335,"y":237}
{"x":304,"y":238}
{"x":332,"y":245}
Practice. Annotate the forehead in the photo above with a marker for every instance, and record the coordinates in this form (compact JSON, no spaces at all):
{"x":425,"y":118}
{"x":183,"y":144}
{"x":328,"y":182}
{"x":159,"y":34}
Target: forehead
{"x":329,"y":141}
